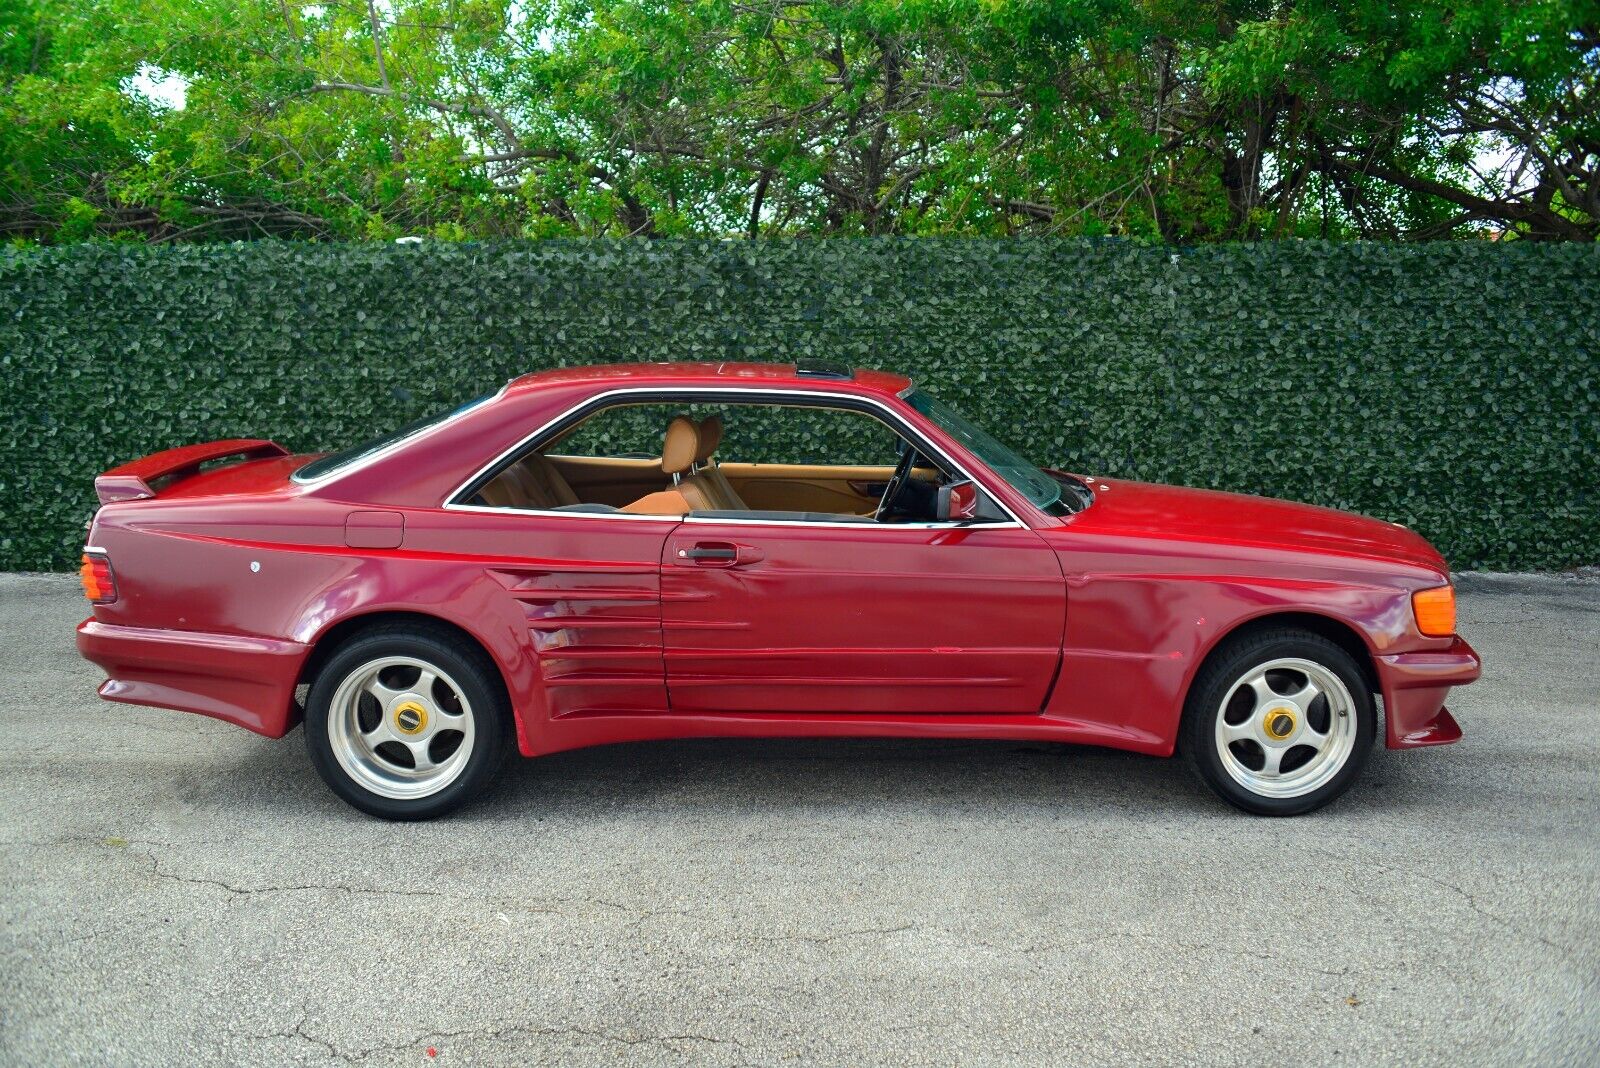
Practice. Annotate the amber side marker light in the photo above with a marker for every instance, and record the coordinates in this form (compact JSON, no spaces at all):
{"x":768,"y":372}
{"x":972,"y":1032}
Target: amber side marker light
{"x":1435,"y":610}
{"x":99,"y":584}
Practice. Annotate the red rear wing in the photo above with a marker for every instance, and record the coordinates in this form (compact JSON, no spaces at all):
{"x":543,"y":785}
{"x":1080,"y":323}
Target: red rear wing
{"x":132,"y":481}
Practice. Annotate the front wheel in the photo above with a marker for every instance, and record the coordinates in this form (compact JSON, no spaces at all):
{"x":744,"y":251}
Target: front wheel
{"x":1279,"y":723}
{"x":407,"y":723}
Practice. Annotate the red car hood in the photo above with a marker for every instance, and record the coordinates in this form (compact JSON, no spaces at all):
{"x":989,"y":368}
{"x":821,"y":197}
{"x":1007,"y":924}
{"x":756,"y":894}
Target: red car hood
{"x":1151,"y":510}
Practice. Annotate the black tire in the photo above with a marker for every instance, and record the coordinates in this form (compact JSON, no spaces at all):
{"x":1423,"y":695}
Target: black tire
{"x":1236,"y":660}
{"x":467,"y":666}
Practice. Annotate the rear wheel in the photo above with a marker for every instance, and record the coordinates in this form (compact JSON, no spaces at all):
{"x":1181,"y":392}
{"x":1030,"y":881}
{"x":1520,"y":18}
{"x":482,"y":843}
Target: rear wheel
{"x":1279,"y":723}
{"x":407,"y":723}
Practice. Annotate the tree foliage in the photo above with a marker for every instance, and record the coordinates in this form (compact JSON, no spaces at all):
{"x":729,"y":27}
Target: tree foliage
{"x":1187,"y":122}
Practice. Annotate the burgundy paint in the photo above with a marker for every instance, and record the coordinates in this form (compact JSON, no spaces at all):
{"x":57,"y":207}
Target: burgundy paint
{"x":368,"y":529}
{"x":1083,"y":629}
{"x":131,"y":481}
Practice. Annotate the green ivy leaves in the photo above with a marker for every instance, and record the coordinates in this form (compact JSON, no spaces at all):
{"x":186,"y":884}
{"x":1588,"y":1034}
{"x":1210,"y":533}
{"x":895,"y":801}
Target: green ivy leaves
{"x":1452,"y":387}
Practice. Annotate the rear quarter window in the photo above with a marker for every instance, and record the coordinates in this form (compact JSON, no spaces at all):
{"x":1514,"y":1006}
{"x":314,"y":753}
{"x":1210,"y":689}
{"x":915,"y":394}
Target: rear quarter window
{"x":336,"y":461}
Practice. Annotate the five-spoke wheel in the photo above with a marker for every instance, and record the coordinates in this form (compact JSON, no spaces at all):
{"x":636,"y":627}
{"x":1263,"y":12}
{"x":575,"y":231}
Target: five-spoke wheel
{"x":1279,"y":722}
{"x":406,"y":722}
{"x":401,"y":727}
{"x":1285,"y":728}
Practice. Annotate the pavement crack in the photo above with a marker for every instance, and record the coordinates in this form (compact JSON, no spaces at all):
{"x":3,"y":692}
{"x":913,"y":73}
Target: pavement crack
{"x":1472,"y":903}
{"x":474,"y":1035}
{"x":158,"y":872}
{"x":624,"y":1038}
{"x":297,"y":1032}
{"x":822,"y":940}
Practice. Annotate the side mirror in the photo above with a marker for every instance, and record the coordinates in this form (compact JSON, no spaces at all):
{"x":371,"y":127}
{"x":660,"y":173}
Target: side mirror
{"x":958,"y":502}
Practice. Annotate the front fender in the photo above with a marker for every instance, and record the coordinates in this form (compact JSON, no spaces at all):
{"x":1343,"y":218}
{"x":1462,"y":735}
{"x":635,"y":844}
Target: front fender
{"x":1143,"y":615}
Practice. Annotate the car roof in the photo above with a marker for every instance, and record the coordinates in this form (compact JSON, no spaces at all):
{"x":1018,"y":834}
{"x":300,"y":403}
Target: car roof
{"x":722,"y":374}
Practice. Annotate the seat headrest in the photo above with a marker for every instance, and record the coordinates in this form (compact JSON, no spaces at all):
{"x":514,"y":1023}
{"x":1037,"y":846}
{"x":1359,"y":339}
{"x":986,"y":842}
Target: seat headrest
{"x":710,"y":438}
{"x":681,"y":446}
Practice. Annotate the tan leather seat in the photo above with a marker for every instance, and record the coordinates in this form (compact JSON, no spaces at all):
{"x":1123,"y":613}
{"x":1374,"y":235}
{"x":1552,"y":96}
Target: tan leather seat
{"x":706,"y":470}
{"x":690,"y":492}
{"x":532,"y":482}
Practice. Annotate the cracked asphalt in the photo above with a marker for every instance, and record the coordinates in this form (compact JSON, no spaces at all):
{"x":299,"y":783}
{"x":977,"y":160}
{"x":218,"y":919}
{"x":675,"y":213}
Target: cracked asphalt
{"x":179,"y":891}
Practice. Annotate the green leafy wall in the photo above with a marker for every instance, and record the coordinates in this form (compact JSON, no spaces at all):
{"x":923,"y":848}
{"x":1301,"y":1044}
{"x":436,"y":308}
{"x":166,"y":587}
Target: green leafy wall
{"x":1453,"y":387}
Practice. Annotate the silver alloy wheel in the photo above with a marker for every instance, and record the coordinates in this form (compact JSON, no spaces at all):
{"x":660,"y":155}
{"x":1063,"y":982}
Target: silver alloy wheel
{"x":400,"y":727}
{"x":1286,"y":727}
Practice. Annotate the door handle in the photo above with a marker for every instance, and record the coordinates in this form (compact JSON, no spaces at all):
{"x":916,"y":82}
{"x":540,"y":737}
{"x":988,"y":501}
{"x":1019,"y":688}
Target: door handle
{"x":719,"y":554}
{"x":706,"y":552}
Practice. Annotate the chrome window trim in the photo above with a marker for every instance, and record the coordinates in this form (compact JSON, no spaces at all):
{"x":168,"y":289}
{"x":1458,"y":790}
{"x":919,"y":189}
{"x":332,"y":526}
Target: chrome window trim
{"x":484,"y":509}
{"x":892,"y":418}
{"x":969,"y":525}
{"x":489,"y":509}
{"x":388,"y":450}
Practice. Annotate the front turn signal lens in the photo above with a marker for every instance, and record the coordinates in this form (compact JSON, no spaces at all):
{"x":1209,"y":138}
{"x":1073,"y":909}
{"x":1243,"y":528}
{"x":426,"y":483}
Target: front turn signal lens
{"x":99,"y":584}
{"x":1435,"y":610}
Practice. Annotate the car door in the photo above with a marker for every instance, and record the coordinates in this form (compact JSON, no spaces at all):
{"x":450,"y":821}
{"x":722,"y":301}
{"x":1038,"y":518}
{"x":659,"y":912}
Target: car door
{"x":859,"y":617}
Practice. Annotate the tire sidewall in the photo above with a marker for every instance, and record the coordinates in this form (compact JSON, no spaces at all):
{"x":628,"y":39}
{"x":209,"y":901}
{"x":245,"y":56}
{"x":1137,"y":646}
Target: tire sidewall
{"x":1218,"y":678}
{"x":482,"y":693}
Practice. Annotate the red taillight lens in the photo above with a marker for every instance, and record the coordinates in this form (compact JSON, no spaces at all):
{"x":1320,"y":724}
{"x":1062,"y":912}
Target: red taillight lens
{"x":99,"y":584}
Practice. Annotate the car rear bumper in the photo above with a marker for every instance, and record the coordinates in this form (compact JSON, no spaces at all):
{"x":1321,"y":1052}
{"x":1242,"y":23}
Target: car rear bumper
{"x":247,"y":681}
{"x":1414,"y":690}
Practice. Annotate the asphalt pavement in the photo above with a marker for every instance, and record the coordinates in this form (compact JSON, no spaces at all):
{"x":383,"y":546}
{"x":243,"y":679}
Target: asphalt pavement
{"x":178,"y":891}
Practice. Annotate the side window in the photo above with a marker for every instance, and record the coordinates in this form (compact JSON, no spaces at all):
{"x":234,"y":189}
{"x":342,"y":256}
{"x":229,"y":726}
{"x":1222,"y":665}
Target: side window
{"x":768,"y":460}
{"x":751,"y":434}
{"x":624,"y":430}
{"x":777,"y":434}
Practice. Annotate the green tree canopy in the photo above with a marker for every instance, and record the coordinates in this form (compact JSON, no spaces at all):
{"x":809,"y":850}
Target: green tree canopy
{"x":1221,"y":120}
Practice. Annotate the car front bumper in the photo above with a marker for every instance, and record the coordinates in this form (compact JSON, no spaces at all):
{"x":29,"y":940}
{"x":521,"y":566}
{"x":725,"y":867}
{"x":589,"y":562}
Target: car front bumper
{"x":1414,"y":690}
{"x":245,"y":680}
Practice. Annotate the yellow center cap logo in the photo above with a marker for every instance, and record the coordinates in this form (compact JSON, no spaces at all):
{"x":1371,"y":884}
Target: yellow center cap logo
{"x":411,"y":718}
{"x":1280,"y":724}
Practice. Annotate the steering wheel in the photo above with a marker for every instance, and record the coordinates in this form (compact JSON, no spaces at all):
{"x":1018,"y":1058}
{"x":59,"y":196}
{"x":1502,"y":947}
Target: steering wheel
{"x":897,"y":482}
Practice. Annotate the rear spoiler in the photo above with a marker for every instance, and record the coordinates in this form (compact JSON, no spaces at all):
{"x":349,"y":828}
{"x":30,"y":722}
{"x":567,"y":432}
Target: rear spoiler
{"x":132,"y":481}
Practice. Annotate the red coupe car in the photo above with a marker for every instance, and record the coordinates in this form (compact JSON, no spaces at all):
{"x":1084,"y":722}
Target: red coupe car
{"x":610,"y":554}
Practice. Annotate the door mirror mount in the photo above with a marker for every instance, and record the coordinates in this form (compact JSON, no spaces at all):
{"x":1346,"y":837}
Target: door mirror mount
{"x":959,"y":502}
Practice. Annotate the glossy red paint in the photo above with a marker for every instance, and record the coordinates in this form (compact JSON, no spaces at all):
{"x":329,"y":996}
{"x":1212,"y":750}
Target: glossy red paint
{"x":246,"y":681}
{"x":132,"y":481}
{"x":860,"y":620}
{"x":1085,"y":628}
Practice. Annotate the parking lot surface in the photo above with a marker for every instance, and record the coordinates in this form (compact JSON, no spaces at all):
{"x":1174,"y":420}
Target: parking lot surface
{"x":176,"y":890}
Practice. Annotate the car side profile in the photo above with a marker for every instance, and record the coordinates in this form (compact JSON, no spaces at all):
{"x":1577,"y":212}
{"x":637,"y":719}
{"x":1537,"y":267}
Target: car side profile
{"x":632,"y":552}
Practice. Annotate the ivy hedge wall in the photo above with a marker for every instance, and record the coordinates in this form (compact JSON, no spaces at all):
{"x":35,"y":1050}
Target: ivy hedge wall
{"x":1451,"y":387}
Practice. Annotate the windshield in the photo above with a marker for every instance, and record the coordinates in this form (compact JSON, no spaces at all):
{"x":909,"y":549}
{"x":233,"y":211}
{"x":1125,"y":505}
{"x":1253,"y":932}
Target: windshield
{"x":327,"y":465}
{"x":1038,"y":487}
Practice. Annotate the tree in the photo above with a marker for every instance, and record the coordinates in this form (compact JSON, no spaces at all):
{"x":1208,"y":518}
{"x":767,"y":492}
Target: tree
{"x":459,"y":118}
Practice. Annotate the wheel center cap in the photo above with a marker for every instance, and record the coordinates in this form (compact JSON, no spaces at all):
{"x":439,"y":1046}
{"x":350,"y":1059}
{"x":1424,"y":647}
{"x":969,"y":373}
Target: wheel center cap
{"x":410,"y":718}
{"x":1280,"y":723}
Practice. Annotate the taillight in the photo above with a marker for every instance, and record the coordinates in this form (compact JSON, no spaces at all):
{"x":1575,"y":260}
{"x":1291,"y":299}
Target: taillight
{"x":99,"y":583}
{"x":1435,"y":610}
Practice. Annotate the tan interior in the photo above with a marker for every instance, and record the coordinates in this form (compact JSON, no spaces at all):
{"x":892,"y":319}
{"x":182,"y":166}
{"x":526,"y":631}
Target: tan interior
{"x":709,"y":471}
{"x":840,"y":488}
{"x":694,"y":489}
{"x":678,"y":451}
{"x":610,"y":480}
{"x":532,"y":482}
{"x":689,"y":478}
